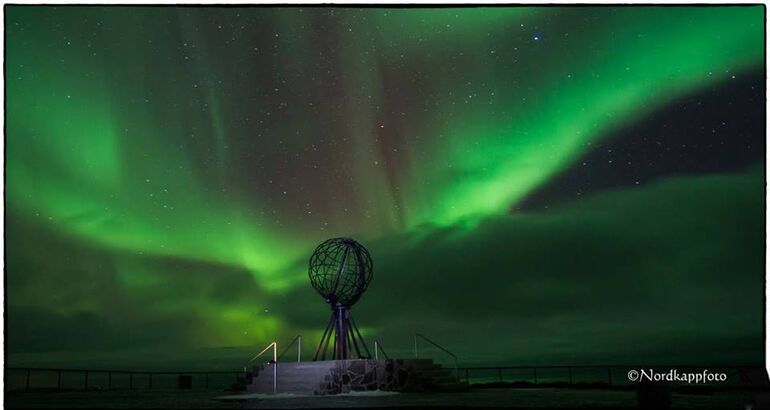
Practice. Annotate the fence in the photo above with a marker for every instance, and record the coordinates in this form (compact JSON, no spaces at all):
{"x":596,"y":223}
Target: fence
{"x":23,"y":378}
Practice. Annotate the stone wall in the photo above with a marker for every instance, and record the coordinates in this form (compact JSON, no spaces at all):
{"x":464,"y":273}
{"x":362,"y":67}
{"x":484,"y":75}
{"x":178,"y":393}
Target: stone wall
{"x":369,"y":374}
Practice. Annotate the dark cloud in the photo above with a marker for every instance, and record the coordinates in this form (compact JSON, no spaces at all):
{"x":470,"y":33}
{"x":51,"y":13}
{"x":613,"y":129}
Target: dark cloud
{"x":72,"y":295}
{"x":672,"y":271}
{"x":638,"y":273}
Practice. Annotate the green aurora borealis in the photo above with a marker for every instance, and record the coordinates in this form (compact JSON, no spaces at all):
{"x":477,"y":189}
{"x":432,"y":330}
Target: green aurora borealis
{"x":170,"y":170}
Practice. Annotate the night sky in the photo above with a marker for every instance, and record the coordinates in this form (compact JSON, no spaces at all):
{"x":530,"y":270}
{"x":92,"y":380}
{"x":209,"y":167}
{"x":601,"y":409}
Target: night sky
{"x":534,"y":184}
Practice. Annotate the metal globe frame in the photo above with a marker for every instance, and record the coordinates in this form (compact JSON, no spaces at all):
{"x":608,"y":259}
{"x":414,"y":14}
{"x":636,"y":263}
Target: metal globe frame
{"x":340,"y":269}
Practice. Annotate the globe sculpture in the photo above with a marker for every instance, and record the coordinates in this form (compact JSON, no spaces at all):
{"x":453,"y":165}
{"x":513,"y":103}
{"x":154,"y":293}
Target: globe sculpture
{"x":340,"y":269}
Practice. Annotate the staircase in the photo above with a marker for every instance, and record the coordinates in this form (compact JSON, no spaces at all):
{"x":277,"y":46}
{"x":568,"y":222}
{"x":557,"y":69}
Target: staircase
{"x":343,"y":376}
{"x":297,"y":378}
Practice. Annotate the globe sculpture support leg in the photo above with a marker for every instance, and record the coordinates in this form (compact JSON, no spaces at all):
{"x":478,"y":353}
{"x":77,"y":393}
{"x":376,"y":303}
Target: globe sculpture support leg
{"x":347,"y":344}
{"x":342,"y":333}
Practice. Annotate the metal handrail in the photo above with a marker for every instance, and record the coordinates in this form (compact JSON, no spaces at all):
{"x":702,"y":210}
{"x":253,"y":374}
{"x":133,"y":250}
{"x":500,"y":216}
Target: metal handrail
{"x":274,"y":345}
{"x":416,"y":355}
{"x":297,"y":339}
{"x":378,"y":346}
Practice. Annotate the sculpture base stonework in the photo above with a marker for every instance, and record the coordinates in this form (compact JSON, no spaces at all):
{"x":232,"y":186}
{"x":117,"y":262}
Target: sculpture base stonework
{"x":344,"y":376}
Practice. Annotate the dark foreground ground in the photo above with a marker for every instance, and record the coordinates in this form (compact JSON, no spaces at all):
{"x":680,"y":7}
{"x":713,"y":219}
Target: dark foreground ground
{"x":524,"y":398}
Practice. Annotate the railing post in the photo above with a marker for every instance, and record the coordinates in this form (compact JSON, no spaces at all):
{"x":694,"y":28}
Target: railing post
{"x":609,"y":375}
{"x":416,"y":355}
{"x":58,"y":381}
{"x":535,"y":373}
{"x":27,"y":385}
{"x":85,"y":382}
{"x":275,"y":367}
{"x":570,"y":375}
{"x":299,"y":349}
{"x":467,"y":376}
{"x":500,"y":374}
